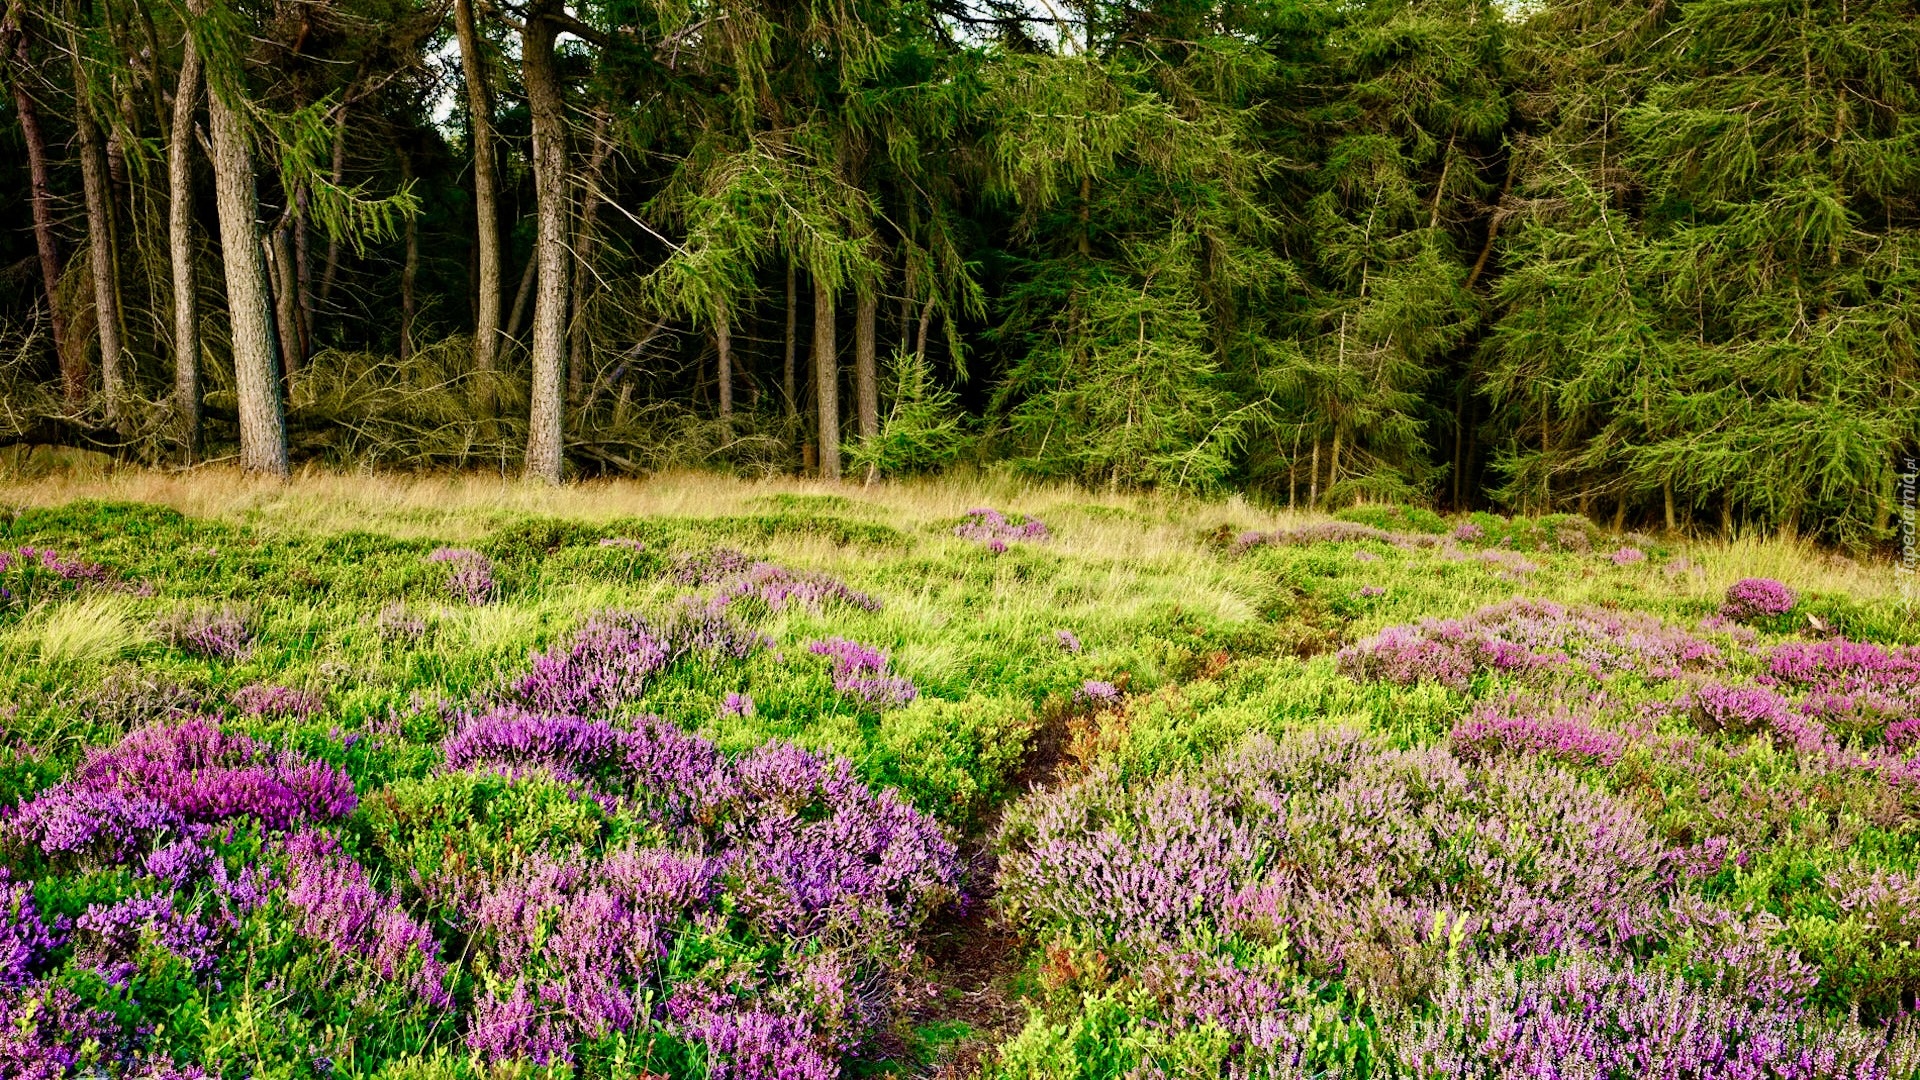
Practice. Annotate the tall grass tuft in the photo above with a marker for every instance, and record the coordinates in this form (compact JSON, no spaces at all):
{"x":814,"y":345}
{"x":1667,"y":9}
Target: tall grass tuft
{"x":91,"y":631}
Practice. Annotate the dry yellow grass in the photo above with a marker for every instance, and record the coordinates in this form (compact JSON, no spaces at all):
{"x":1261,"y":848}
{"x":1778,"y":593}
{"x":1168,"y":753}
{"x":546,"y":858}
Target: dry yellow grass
{"x":1158,"y":533}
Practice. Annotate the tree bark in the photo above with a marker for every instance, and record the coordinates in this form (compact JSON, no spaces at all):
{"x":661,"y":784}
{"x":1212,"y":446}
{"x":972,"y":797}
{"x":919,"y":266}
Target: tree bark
{"x":584,"y":238}
{"x":263,"y":437}
{"x":549,"y":344}
{"x":286,"y":318}
{"x":826,"y":379}
{"x":186,"y":300}
{"x":98,"y":196}
{"x":786,"y":373}
{"x":866,"y":376}
{"x":73,"y":360}
{"x":723,"y":347}
{"x":486,"y":326}
{"x":409,"y":274}
{"x":520,"y":296}
{"x":303,"y":268}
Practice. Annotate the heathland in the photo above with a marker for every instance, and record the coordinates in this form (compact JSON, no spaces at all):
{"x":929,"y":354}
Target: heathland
{"x":440,"y":777}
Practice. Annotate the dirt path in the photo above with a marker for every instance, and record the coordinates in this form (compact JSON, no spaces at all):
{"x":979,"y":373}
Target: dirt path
{"x":975,"y":955}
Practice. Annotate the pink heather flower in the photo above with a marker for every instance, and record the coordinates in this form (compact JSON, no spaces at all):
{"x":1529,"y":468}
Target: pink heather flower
{"x":1627,"y":556}
{"x":472,"y":577}
{"x":1467,"y":532}
{"x":1067,"y":640}
{"x":1097,"y":693}
{"x":992,"y":528}
{"x":1756,"y":598}
{"x":1373,"y":590}
{"x":737,"y":705}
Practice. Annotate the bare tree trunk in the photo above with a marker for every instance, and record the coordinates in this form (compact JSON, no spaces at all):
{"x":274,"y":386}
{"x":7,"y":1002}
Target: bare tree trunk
{"x":723,"y":346}
{"x":866,"y":377}
{"x":186,"y":300}
{"x":793,"y":314}
{"x":286,"y":320}
{"x":549,"y":344}
{"x":73,"y":360}
{"x":263,"y":436}
{"x":926,"y":320}
{"x":486,"y":326}
{"x":826,"y":379}
{"x":409,"y":274}
{"x":1666,"y":492}
{"x":1313,"y":477}
{"x":520,"y":297}
{"x":303,"y":268}
{"x":584,"y":236}
{"x":94,"y":185}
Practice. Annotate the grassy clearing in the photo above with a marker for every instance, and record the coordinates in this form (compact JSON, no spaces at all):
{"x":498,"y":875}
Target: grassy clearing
{"x":315,"y":618}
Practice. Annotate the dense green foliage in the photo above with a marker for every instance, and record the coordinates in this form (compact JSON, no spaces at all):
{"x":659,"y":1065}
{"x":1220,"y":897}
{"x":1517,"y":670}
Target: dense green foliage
{"x":1654,"y":264}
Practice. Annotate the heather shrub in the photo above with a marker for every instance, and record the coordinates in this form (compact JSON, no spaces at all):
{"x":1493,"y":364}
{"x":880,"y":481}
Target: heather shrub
{"x":1751,"y":599}
{"x":221,"y":633}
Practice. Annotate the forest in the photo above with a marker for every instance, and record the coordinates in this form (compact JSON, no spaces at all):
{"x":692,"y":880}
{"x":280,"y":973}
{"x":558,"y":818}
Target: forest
{"x":1657,"y":264}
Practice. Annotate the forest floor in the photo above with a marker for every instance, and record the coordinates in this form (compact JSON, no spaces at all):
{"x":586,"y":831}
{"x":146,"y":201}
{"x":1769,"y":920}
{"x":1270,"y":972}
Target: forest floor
{"x":369,"y":624}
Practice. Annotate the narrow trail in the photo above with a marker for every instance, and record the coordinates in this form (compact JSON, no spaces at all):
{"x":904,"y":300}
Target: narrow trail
{"x":974,"y":956}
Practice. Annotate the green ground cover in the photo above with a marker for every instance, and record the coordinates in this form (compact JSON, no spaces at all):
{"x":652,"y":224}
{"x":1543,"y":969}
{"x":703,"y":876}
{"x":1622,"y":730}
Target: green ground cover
{"x":417,"y":716}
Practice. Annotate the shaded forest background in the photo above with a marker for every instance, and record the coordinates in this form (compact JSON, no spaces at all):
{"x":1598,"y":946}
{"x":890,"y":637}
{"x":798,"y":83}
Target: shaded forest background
{"x":1658,"y":263}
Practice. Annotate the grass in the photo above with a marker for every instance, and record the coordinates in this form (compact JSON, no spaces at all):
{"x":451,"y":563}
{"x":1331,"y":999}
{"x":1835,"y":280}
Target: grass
{"x":330,"y":575}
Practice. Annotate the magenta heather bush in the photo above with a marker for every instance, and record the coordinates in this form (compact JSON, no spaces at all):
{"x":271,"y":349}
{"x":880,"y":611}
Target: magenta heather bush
{"x":166,"y":777}
{"x":1527,"y":639}
{"x":1097,"y":694}
{"x":741,"y":578}
{"x":1333,"y":532}
{"x":1583,"y":1018}
{"x":1335,"y":844}
{"x":860,"y":671}
{"x":1855,"y":684}
{"x":991,"y":527}
{"x":1627,"y":556}
{"x":1067,"y":640}
{"x":606,"y":664}
{"x":261,"y":699}
{"x":339,"y":907}
{"x":471,"y":576}
{"x":1757,"y":598}
{"x":1525,"y":726}
{"x":801,"y":848}
{"x":220,"y":634}
{"x":25,"y":940}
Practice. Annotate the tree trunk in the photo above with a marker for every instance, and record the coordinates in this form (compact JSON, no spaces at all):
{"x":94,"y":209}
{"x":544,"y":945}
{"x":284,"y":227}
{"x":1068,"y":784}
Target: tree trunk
{"x":303,"y":269}
{"x":926,"y":320}
{"x":186,"y":300}
{"x":826,"y":379}
{"x":409,"y":274}
{"x":521,"y":295}
{"x":866,"y":377}
{"x":1313,"y":477}
{"x":583,"y":241}
{"x":73,"y":360}
{"x":549,"y":344}
{"x":94,"y":186}
{"x":286,"y":318}
{"x":723,"y":348}
{"x":786,"y":373}
{"x":263,"y":437}
{"x":1666,"y":492}
{"x":486,"y":327}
